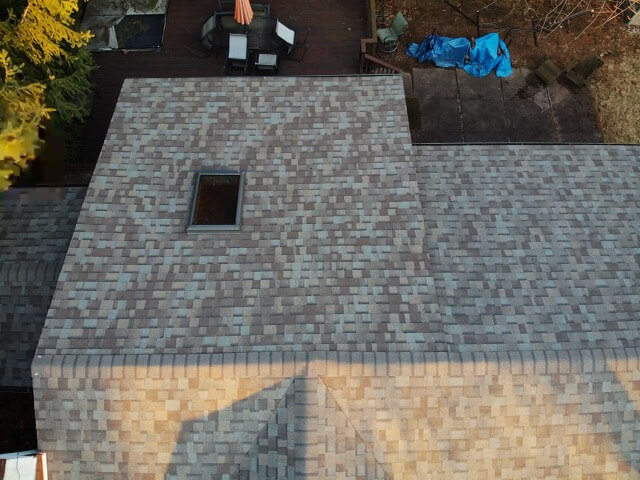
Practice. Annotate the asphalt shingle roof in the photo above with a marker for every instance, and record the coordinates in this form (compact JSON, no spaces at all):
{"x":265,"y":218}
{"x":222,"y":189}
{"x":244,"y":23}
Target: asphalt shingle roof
{"x":35,"y":228}
{"x":351,"y":241}
{"x":330,"y":252}
{"x":534,"y":247}
{"x":386,"y":311}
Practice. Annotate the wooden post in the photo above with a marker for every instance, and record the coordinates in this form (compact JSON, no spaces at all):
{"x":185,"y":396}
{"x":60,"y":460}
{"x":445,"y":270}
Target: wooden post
{"x":533,"y":29}
{"x":478,"y":23}
{"x":459,"y":11}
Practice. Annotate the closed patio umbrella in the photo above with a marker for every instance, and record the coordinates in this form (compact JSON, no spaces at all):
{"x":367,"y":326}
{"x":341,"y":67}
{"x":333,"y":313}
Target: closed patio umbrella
{"x":244,"y":13}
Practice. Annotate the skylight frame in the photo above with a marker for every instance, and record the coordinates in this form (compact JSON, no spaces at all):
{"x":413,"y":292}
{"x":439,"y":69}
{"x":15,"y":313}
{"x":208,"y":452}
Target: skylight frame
{"x":237,"y":226}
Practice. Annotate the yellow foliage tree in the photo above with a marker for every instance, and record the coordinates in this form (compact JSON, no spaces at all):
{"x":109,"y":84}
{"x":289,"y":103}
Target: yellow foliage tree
{"x":22,"y":110}
{"x":40,"y":37}
{"x":44,"y":26}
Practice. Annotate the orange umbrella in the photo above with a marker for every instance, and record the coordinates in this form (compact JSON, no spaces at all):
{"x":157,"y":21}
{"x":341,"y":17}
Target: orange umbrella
{"x":244,"y":12}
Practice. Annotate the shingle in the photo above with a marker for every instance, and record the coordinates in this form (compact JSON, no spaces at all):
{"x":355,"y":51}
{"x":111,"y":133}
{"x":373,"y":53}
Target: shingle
{"x":35,"y":228}
{"x":330,"y":252}
{"x":485,"y":263}
{"x":534,"y":247}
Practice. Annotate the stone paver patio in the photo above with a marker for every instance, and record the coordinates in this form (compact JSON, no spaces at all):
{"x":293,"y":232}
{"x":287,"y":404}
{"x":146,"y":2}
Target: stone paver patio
{"x":458,"y":108}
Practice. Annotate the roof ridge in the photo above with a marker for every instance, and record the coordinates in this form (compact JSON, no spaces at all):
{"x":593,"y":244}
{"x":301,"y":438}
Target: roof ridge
{"x":304,"y":432}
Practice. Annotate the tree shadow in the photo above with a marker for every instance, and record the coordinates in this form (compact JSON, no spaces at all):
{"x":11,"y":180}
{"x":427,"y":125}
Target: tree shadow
{"x":305,"y":435}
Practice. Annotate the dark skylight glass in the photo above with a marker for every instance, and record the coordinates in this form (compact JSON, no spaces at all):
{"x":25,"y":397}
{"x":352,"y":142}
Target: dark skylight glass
{"x":217,"y":202}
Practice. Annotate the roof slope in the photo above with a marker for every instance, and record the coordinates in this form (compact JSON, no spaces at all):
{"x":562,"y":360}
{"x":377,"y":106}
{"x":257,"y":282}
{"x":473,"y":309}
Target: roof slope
{"x":534,"y":247}
{"x":330,"y":255}
{"x":350,"y":240}
{"x":521,"y":261}
{"x":308,"y":436}
{"x":35,"y":228}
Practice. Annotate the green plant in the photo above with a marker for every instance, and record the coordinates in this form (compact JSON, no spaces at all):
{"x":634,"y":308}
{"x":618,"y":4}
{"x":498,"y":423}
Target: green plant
{"x":44,"y":73}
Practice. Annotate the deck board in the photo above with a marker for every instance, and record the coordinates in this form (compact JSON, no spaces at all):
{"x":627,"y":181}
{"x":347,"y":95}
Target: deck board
{"x":334,"y":45}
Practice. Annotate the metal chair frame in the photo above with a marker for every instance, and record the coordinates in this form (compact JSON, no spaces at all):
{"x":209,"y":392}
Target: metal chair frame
{"x":288,"y":39}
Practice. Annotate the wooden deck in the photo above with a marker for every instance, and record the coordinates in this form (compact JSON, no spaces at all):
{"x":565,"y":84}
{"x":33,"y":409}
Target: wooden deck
{"x":334,"y":49}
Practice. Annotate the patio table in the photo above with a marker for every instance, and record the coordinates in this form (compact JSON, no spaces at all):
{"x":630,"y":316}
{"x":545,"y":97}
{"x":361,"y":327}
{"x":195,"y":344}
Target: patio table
{"x":260,"y":40}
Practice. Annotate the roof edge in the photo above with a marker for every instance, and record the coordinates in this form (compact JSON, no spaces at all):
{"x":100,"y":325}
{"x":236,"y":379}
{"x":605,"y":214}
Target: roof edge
{"x":337,"y":363}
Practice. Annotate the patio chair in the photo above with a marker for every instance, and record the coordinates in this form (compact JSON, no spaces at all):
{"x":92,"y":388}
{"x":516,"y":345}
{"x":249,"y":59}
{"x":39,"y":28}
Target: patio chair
{"x":389,"y":36}
{"x":289,"y":43}
{"x":210,"y":38}
{"x":238,"y":55}
{"x":266,"y":62}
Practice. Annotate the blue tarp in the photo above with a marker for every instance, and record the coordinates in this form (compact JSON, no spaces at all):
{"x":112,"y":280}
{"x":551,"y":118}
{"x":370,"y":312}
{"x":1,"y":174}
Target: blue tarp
{"x":488,"y":53}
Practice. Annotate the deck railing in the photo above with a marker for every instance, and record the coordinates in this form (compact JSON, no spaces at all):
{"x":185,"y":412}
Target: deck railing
{"x":369,"y":63}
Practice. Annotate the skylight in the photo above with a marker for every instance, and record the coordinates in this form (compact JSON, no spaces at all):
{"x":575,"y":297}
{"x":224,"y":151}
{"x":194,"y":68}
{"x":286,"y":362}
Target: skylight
{"x":217,"y":201}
